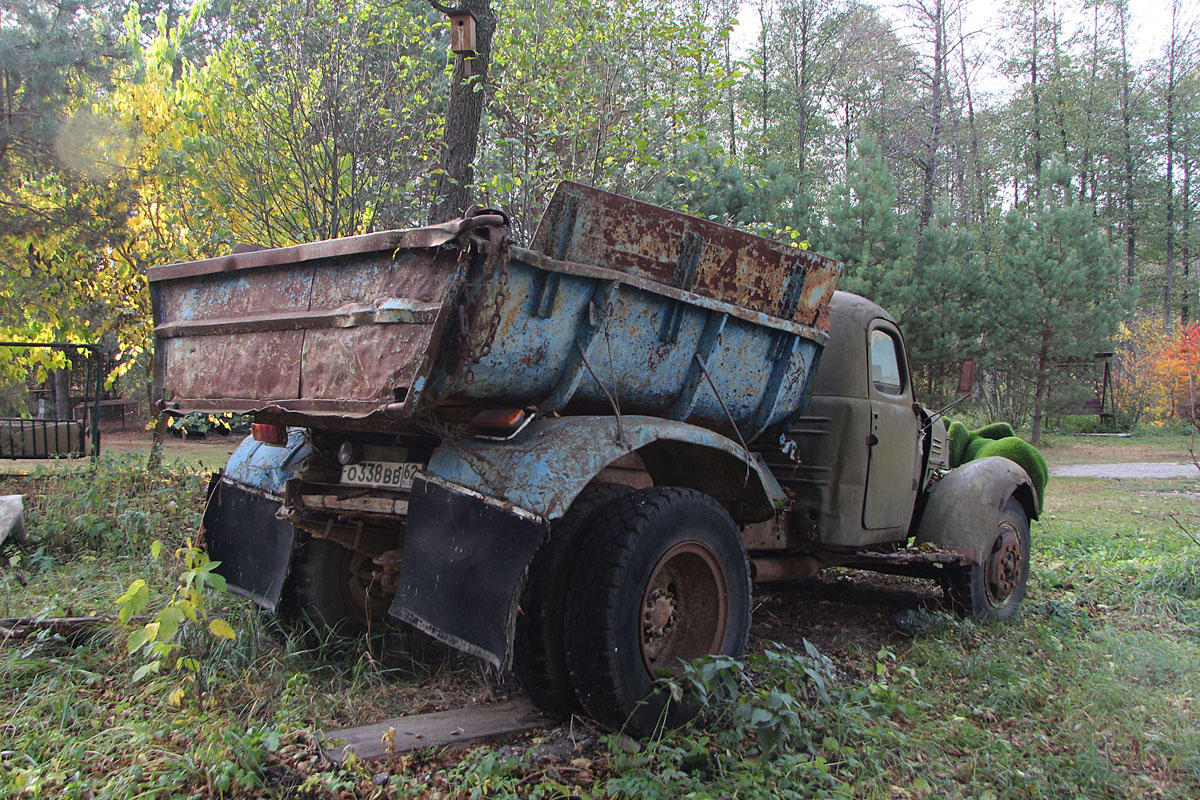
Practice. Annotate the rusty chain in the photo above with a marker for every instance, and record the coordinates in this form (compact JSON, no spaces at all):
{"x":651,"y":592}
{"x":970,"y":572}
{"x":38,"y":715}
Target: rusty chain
{"x":497,"y":253}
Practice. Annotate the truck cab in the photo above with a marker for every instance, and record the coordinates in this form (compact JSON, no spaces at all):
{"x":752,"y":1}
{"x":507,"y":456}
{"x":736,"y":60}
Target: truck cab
{"x":865,"y":449}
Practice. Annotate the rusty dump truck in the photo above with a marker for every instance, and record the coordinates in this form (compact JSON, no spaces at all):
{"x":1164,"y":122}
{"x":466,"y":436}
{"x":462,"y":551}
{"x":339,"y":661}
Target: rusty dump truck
{"x":574,"y":458}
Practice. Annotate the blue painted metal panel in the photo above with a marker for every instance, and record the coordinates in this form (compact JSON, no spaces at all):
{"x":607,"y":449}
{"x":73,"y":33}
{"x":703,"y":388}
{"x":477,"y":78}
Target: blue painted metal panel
{"x":535,"y":359}
{"x":267,"y":467}
{"x":543,"y":468}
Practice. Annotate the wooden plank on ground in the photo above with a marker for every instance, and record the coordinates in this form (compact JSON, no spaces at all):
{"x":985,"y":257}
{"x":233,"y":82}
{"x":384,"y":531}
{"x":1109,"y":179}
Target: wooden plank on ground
{"x":431,"y":730}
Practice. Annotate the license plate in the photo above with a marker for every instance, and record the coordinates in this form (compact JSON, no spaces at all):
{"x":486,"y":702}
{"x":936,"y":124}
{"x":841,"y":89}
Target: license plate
{"x":380,"y":474}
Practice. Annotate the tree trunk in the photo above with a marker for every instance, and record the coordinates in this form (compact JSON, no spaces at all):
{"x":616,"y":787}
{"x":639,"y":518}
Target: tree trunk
{"x":1085,"y":162}
{"x":1037,"y":113}
{"x":936,"y":100}
{"x":1185,"y":300}
{"x":1169,"y":266}
{"x":802,"y":102}
{"x":62,"y":394}
{"x":762,"y":33}
{"x":1041,"y":392}
{"x":979,"y":202}
{"x":454,"y":190}
{"x":732,"y":101}
{"x":1126,"y":122}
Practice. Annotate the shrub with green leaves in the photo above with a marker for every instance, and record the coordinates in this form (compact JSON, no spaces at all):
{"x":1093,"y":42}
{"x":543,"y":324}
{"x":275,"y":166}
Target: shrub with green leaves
{"x":157,"y":642}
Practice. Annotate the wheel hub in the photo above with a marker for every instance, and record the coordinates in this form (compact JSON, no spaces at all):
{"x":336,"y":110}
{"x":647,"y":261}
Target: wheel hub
{"x":362,"y":588}
{"x":683,"y":610}
{"x":659,"y":615}
{"x":1003,"y":570}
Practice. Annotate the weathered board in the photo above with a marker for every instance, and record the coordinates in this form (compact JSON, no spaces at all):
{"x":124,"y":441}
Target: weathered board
{"x":438,"y":729}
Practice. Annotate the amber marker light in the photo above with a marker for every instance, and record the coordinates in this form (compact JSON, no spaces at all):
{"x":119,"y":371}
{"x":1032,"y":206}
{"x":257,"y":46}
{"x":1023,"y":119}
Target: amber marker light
{"x":269,"y":434}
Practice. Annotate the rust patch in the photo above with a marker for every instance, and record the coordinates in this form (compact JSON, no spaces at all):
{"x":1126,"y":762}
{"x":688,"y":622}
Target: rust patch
{"x":648,"y":241}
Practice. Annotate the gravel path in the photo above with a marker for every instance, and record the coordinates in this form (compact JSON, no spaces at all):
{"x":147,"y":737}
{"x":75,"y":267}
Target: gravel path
{"x":1135,"y":470}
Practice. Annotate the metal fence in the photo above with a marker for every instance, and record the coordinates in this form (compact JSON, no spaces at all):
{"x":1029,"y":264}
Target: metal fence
{"x":49,"y":437}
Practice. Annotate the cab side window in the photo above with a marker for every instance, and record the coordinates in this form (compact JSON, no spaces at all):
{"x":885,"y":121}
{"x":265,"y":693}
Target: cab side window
{"x":886,"y":373}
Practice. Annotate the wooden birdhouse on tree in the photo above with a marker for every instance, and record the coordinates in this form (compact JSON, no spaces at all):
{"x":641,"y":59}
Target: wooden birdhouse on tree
{"x":462,"y":34}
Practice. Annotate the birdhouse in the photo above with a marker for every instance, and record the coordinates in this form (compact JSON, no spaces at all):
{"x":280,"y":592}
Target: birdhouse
{"x":462,"y":34}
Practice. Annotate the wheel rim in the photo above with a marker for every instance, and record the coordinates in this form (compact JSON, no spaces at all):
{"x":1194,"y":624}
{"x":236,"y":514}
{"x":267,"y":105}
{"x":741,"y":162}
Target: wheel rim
{"x":1004,"y":565}
{"x":684,"y":608}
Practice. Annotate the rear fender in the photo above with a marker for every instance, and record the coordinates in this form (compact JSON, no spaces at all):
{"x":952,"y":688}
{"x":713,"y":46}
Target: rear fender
{"x":481,"y":509}
{"x":548,"y":464}
{"x":964,"y":507}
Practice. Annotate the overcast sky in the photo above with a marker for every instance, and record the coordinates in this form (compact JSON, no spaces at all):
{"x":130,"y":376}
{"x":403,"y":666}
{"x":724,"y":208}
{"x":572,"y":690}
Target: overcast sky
{"x":1149,"y":32}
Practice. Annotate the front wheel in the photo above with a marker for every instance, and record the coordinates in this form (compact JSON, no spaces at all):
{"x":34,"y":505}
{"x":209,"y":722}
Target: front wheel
{"x":993,"y":590}
{"x":660,"y":579}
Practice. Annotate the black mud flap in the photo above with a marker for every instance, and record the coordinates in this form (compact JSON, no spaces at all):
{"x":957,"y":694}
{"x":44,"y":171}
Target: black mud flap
{"x":464,"y":557}
{"x":254,"y":548}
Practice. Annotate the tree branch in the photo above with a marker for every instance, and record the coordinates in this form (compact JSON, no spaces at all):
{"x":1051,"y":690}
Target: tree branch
{"x":447,"y":10}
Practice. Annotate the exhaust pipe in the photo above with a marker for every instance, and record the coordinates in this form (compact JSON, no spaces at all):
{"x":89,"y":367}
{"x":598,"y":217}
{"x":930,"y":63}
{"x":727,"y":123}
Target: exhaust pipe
{"x":784,"y":568}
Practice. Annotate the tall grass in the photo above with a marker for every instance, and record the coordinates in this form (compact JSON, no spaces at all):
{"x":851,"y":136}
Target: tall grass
{"x":73,"y":723}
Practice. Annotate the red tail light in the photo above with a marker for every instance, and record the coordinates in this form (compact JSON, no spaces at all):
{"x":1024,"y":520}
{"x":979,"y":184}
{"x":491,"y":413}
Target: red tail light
{"x":269,"y":434}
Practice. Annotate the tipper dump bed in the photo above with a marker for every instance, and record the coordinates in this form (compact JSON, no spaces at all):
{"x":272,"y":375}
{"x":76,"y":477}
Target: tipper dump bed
{"x":617,"y":307}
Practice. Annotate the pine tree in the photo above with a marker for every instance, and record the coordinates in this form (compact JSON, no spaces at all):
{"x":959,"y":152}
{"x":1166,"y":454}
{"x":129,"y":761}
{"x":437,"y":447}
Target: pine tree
{"x":865,"y":233}
{"x":939,"y":303}
{"x":1058,"y":290}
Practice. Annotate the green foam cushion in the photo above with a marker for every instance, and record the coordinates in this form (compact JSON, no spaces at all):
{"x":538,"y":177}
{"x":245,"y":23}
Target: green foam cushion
{"x":974,"y":447}
{"x":1023,"y":453}
{"x":996,"y":430}
{"x":959,"y":436}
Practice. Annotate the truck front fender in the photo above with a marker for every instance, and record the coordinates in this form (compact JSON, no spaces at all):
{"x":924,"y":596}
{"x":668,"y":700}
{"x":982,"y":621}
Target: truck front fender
{"x":543,"y":469}
{"x":964,"y":507}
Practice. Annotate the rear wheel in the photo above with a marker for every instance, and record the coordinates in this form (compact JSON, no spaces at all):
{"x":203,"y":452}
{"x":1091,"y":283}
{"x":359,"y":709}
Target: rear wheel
{"x":993,"y":590}
{"x":338,"y":590}
{"x":539,"y":657}
{"x":661,"y":578}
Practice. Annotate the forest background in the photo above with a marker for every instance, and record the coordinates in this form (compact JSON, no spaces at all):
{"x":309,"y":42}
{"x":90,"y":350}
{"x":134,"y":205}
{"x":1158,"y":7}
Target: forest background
{"x":1024,"y":194}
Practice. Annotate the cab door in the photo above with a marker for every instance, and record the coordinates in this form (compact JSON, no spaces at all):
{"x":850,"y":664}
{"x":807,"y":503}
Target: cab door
{"x":894,"y":437}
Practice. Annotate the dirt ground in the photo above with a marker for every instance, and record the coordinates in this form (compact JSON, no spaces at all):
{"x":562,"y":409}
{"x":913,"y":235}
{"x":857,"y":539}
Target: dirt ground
{"x":848,"y":614}
{"x":1061,"y":450}
{"x":209,"y":452}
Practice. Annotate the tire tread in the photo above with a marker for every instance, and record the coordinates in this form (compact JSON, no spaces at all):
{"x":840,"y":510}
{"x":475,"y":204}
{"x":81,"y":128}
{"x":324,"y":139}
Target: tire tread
{"x":595,"y":592}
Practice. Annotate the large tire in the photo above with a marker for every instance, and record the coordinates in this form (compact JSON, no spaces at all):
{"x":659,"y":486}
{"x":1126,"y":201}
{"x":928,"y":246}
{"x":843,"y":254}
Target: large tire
{"x":992,"y":591}
{"x":661,"y":578}
{"x":335,"y":591}
{"x":539,"y":656}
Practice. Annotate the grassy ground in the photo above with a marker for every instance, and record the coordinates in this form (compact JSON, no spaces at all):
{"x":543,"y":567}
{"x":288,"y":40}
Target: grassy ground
{"x":1093,"y":691}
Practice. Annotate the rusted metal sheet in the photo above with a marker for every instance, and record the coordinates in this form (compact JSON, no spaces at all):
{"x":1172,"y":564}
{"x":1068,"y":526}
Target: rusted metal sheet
{"x":624,"y":308}
{"x":329,"y":334}
{"x":429,"y":236}
{"x":708,"y":259}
